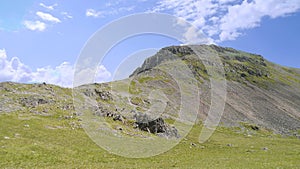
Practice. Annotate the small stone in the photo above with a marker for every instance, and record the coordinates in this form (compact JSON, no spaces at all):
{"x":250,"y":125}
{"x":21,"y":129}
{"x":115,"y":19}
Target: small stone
{"x":26,"y":125}
{"x":135,"y":125}
{"x":119,"y":128}
{"x":6,"y":138}
{"x":68,"y":117}
{"x":118,"y":118}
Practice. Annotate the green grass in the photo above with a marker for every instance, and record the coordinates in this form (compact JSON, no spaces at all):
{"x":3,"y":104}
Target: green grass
{"x":50,"y":142}
{"x":136,"y":101}
{"x":133,"y":89}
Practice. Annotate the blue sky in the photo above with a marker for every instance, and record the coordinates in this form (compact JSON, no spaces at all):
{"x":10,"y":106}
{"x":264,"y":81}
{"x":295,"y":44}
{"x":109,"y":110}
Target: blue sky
{"x":40,"y":40}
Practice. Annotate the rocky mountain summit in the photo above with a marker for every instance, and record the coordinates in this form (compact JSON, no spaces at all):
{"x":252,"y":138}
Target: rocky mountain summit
{"x":258,"y":91}
{"x":261,"y":94}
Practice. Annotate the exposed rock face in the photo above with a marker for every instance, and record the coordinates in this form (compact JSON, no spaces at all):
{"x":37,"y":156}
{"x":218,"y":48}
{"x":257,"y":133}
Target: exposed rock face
{"x":103,"y":95}
{"x":157,"y":126}
{"x":33,"y":101}
{"x":165,"y":54}
{"x":236,"y":63}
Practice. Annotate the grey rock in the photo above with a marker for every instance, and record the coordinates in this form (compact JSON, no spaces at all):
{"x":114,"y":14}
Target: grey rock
{"x":157,"y":126}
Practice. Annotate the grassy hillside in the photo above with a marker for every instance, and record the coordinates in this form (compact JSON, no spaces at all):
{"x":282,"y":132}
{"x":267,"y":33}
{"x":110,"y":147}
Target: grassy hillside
{"x":54,"y":142}
{"x":45,"y":126}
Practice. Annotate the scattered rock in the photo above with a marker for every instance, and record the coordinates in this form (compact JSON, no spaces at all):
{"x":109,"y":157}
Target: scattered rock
{"x":26,"y":125}
{"x":68,"y":117}
{"x":32,"y":101}
{"x":254,"y":127}
{"x":89,"y":92}
{"x":6,"y":137}
{"x":104,"y":95}
{"x":69,"y":106}
{"x":193,"y":144}
{"x":75,"y":125}
{"x":118,"y":118}
{"x":77,"y":114}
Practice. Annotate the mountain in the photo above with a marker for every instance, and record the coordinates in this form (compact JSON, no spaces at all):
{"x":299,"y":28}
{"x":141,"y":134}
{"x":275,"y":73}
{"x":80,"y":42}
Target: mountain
{"x":170,"y":93}
{"x":258,"y":92}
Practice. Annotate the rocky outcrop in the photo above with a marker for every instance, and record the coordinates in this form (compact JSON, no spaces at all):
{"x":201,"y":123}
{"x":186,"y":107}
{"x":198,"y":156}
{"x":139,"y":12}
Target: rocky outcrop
{"x":163,"y":55}
{"x":156,"y":126}
{"x":33,"y":101}
{"x":236,"y":63}
{"x":101,"y":94}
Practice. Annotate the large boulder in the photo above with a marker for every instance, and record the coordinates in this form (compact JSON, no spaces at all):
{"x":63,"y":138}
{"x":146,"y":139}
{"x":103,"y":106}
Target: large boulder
{"x":156,"y":126}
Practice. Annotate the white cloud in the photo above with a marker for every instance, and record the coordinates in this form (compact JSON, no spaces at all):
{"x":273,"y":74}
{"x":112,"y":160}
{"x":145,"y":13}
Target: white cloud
{"x":248,"y":15}
{"x":50,"y":7}
{"x":112,"y":3}
{"x":66,"y":15}
{"x":35,"y":25}
{"x":2,"y":53}
{"x":89,"y":75}
{"x":226,"y":19}
{"x":112,"y":11}
{"x":62,"y":75}
{"x":126,"y":9}
{"x":13,"y":70}
{"x":47,"y":17}
{"x":93,"y":13}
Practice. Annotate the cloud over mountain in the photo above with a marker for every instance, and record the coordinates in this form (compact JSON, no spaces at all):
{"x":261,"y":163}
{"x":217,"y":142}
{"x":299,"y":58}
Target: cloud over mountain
{"x":226,"y":19}
{"x":63,"y":74}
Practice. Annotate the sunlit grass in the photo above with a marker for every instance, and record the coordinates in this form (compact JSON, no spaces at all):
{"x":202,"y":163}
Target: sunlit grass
{"x":51,"y":142}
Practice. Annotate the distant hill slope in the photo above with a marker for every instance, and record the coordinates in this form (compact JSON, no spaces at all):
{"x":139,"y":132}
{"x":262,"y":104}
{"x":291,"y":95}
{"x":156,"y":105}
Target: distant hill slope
{"x":259,"y":92}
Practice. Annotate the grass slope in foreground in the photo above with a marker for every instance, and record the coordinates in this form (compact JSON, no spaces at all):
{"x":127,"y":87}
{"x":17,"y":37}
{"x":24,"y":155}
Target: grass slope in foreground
{"x":54,"y":142}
